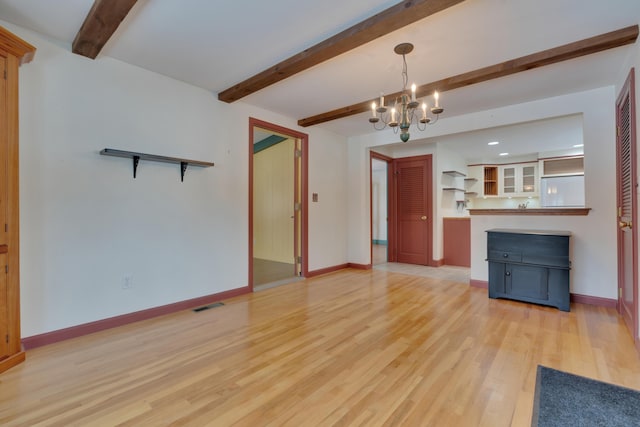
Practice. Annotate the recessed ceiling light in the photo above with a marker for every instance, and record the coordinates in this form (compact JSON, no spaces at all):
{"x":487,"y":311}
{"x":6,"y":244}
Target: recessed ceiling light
{"x":493,"y":143}
{"x":578,"y":145}
{"x":504,"y":154}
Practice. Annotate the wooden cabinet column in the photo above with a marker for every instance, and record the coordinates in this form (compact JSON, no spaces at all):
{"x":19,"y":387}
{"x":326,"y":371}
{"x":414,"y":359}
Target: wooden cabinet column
{"x":13,"y":52}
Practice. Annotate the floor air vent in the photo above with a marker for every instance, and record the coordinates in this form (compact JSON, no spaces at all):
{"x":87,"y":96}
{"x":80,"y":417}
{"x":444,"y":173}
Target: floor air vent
{"x":207,"y":307}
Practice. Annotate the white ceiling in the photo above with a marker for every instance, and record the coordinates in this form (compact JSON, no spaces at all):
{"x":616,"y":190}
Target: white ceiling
{"x":521,"y":142}
{"x":215,"y":44}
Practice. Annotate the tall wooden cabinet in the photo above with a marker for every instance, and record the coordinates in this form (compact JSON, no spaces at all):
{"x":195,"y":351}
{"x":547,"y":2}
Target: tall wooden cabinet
{"x":13,"y":52}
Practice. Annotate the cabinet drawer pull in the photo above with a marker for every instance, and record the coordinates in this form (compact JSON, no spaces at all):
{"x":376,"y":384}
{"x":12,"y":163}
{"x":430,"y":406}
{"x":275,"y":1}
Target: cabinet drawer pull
{"x":507,"y":273}
{"x":505,"y":255}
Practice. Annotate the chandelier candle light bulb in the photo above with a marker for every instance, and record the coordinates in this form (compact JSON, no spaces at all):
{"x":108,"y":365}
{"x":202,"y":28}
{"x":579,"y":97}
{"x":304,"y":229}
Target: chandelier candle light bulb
{"x":404,"y":104}
{"x":437,"y":109}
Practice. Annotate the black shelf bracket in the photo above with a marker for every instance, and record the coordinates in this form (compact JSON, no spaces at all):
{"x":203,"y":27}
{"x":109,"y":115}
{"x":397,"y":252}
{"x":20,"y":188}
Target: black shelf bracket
{"x":136,"y":160}
{"x":183,"y":169}
{"x":136,"y":157}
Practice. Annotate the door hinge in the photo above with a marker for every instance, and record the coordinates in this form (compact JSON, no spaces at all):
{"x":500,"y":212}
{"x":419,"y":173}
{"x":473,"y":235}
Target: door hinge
{"x":297,"y":206}
{"x":5,"y":74}
{"x":620,"y":211}
{"x":619,"y":293}
{"x":7,"y":338}
{"x":298,"y":153}
{"x":6,"y":228}
{"x":299,"y":260}
{"x":6,"y":269}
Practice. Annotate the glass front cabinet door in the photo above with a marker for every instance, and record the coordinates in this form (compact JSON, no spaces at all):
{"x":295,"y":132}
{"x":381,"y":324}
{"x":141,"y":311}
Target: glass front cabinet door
{"x":519,"y":180}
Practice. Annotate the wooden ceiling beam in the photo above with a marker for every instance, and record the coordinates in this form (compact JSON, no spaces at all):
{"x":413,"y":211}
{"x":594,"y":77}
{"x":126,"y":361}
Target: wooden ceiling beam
{"x":577,"y":49}
{"x":383,"y":23}
{"x":101,"y":22}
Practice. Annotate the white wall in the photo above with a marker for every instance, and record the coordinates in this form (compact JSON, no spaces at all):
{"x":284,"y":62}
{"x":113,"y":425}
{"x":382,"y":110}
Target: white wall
{"x":448,"y":160}
{"x":594,"y":243}
{"x":86,"y":223}
{"x":594,"y":269}
{"x":328,"y":216}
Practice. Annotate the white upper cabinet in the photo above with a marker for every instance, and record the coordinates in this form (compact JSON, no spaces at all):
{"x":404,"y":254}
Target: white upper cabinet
{"x":519,"y":180}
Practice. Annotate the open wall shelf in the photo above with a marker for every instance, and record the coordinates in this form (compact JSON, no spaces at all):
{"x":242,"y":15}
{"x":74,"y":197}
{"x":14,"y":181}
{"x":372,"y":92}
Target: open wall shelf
{"x":453,"y":173}
{"x":136,"y":157}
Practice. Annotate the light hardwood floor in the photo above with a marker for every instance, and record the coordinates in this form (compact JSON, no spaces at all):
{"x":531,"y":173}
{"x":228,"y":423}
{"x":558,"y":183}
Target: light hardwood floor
{"x":353,"y":348}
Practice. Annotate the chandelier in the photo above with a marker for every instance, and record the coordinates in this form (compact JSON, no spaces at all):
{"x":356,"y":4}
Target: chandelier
{"x":403,"y":110}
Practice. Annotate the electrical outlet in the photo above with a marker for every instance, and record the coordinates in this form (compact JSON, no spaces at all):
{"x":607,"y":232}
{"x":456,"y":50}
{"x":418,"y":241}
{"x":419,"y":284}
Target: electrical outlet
{"x":127,"y":282}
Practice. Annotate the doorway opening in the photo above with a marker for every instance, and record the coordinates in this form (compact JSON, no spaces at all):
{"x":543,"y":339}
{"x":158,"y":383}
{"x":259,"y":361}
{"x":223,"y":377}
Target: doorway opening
{"x":380,"y":208}
{"x":277,"y":205}
{"x":407,"y":221}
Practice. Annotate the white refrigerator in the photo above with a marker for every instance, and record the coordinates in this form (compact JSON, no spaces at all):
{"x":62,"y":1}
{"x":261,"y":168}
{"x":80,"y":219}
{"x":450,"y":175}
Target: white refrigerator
{"x":562,"y":191}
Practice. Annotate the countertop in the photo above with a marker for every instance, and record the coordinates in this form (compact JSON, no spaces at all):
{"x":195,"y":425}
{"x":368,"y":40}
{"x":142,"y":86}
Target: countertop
{"x":536,"y":232}
{"x":532,"y":211}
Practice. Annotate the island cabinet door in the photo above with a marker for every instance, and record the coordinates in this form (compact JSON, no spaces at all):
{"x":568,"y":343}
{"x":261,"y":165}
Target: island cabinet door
{"x":518,"y":281}
{"x":527,"y":281}
{"x":497,"y":279}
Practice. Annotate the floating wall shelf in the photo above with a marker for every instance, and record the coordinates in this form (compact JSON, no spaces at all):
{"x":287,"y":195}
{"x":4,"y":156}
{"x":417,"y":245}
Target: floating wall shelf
{"x":136,"y":157}
{"x":453,"y":173}
{"x":453,"y":189}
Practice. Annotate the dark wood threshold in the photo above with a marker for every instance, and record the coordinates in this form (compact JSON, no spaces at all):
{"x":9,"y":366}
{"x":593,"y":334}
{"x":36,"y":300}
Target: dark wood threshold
{"x":539,"y":211}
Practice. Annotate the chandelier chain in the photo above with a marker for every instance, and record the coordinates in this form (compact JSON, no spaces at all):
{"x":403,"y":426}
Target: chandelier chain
{"x":405,"y":75}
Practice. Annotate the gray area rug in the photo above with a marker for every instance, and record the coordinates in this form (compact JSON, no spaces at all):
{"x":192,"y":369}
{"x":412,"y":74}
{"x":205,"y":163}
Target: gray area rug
{"x":563,"y":399}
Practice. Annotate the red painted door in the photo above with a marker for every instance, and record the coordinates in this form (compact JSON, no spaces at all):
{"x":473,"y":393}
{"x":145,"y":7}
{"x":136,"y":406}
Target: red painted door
{"x":626,"y":189}
{"x":413,"y":212}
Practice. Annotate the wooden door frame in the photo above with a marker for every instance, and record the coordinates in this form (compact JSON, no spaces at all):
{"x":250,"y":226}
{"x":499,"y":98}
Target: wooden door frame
{"x":396,"y":218}
{"x":628,"y":89}
{"x":390,"y":213}
{"x":304,"y":238}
